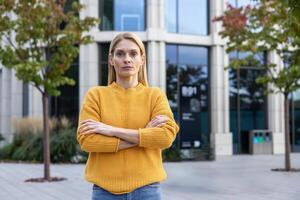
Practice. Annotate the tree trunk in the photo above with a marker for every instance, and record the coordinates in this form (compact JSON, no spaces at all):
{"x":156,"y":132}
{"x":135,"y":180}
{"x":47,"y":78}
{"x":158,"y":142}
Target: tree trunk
{"x":46,"y":138}
{"x":287,"y":134}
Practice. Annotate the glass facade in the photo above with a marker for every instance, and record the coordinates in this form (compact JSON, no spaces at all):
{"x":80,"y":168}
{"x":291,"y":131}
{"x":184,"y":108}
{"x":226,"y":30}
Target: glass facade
{"x":248,"y":109}
{"x":188,"y":65}
{"x":25,"y":99}
{"x":295,"y":121}
{"x":187,"y":16}
{"x":294,"y":112}
{"x":122,"y":15}
{"x":103,"y":63}
{"x":67,"y":104}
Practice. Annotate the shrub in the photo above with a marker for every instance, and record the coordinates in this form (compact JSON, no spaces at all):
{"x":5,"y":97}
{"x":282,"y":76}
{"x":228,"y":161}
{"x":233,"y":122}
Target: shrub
{"x":6,"y":151}
{"x":27,"y":125}
{"x":27,"y":144}
{"x":63,"y":145}
{"x":31,"y":149}
{"x":172,"y":154}
{"x":1,"y":137}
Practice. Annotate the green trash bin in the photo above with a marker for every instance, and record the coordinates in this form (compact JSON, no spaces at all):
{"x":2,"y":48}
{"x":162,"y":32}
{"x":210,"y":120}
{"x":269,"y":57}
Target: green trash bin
{"x":261,"y":142}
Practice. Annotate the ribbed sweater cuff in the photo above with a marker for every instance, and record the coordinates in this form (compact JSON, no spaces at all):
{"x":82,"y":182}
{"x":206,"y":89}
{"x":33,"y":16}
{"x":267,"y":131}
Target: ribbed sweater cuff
{"x":118,"y":144}
{"x":153,"y":138}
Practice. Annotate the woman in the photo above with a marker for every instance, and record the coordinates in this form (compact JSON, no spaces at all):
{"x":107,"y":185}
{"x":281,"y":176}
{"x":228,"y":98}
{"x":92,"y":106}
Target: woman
{"x":124,"y":126}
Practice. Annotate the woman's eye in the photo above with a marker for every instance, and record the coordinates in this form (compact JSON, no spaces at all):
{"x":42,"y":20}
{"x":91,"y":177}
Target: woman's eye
{"x":119,"y":54}
{"x":133,"y":54}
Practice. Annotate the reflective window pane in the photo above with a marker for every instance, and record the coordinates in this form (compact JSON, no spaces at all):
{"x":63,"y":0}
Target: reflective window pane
{"x":171,"y":54}
{"x":247,"y":102}
{"x":188,"y":65}
{"x":122,"y":15}
{"x":103,"y":63}
{"x":295,"y":120}
{"x":192,"y":17}
{"x":233,"y":94}
{"x":69,"y":96}
{"x":294,"y":110}
{"x":258,"y":58}
{"x":192,"y":55}
{"x":106,"y":8}
{"x":187,"y":16}
{"x":170,"y":15}
{"x":129,"y":15}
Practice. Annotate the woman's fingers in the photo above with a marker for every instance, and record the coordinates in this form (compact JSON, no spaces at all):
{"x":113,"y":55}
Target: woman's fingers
{"x":158,"y":121}
{"x":86,"y":127}
{"x":161,"y":124}
{"x":90,"y":131}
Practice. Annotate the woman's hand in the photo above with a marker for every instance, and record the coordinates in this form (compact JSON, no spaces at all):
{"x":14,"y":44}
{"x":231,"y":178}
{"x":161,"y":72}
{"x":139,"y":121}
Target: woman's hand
{"x":90,"y":126}
{"x":158,"y":121}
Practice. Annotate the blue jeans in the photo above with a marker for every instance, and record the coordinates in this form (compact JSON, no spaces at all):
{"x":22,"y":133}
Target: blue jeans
{"x":148,"y":192}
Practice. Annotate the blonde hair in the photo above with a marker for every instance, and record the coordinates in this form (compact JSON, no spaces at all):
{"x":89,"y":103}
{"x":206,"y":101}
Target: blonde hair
{"x":142,"y":74}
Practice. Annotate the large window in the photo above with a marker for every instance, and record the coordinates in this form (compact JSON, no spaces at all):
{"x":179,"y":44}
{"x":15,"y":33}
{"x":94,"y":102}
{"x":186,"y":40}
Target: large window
{"x":187,"y":16}
{"x":247,"y":103}
{"x":67,"y":104}
{"x":103,"y":63}
{"x":188,"y":65}
{"x":122,"y":15}
{"x":295,"y":121}
{"x":294,"y":115}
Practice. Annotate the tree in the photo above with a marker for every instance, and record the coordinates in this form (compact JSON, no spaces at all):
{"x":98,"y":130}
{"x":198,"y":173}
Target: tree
{"x":269,"y":26}
{"x":40,"y":39}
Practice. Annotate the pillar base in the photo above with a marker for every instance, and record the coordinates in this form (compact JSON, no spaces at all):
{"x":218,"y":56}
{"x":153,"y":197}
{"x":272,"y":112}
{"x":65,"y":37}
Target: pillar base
{"x":222,"y":143}
{"x":278,"y":143}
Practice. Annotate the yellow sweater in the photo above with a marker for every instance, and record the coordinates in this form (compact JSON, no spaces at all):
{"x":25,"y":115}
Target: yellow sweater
{"x":122,"y":171}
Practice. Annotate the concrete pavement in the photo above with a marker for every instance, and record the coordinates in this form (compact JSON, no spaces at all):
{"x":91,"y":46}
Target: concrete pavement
{"x":229,"y":178}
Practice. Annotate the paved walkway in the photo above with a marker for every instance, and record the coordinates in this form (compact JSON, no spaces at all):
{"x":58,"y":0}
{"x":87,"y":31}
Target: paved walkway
{"x":228,"y":178}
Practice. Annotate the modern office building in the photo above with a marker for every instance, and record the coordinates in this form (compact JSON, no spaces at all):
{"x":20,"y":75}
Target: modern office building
{"x":186,"y":58}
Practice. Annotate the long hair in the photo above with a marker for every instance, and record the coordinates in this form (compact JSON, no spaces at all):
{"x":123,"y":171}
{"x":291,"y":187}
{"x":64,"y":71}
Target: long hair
{"x":142,"y":74}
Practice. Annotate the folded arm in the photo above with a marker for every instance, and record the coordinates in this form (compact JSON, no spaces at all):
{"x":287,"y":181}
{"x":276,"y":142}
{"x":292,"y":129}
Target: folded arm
{"x":160,"y":132}
{"x":96,"y":142}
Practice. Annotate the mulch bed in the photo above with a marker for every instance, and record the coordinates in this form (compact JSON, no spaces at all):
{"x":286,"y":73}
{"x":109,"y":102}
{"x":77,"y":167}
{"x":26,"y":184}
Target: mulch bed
{"x":284,"y":170}
{"x":42,"y":180}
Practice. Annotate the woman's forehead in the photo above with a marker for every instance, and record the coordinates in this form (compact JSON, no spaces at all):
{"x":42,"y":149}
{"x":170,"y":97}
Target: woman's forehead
{"x":127,"y":45}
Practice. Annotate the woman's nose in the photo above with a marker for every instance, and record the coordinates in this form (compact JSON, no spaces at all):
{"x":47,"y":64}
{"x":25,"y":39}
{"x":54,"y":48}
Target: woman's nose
{"x":127,"y":58}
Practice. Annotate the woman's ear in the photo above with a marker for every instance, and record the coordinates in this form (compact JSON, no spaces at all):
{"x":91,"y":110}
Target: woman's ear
{"x":111,"y":59}
{"x":143,"y":59}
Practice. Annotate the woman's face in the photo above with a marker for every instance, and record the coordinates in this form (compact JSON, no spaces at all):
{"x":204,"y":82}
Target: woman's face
{"x":126,"y":59}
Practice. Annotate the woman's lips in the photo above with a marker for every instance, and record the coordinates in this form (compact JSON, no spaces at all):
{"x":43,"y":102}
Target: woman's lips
{"x":127,"y":68}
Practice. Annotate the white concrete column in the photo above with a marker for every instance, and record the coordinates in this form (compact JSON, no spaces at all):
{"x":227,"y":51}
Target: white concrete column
{"x":11,"y":102}
{"x":276,"y":112}
{"x":35,"y":102}
{"x":156,"y":48}
{"x":155,"y":19}
{"x":156,"y":64}
{"x":16,"y":97}
{"x":221,"y":138}
{"x":89,"y":68}
{"x":162,"y":66}
{"x":6,"y":88}
{"x":88,"y":56}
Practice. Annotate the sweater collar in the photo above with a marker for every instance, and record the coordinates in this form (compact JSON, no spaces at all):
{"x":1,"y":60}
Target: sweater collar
{"x":121,"y":89}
